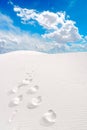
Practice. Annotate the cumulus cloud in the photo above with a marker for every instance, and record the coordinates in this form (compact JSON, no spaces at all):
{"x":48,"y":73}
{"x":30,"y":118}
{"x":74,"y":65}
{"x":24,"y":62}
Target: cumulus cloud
{"x":59,"y":27}
{"x":25,"y":14}
{"x":68,"y":33}
{"x":11,"y":42}
{"x":47,"y":19}
{"x":13,"y":38}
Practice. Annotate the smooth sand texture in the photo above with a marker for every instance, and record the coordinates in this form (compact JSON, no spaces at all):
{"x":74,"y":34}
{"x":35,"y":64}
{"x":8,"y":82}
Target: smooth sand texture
{"x":62,"y":89}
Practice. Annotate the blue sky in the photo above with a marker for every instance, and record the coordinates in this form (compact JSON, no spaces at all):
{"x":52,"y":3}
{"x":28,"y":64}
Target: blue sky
{"x":43,"y":25}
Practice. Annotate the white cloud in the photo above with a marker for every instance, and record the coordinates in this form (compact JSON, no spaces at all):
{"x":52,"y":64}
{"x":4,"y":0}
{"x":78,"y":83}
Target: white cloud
{"x":6,"y":21}
{"x":13,"y":38}
{"x":78,"y":47}
{"x":49,"y":20}
{"x":25,"y":14}
{"x":10,"y":41}
{"x":60,"y":28}
{"x":68,"y":33}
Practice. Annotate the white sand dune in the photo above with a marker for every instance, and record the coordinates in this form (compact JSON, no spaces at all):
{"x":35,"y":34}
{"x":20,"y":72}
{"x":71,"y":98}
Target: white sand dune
{"x":43,"y":91}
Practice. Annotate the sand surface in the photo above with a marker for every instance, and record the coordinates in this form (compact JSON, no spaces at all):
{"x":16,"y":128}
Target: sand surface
{"x":43,"y":91}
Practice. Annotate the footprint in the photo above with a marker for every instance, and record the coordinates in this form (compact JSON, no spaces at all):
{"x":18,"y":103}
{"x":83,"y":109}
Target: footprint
{"x":25,"y":82}
{"x":29,"y":74}
{"x":33,"y":90}
{"x":34,"y":103}
{"x":13,"y":116}
{"x":13,"y":91}
{"x":15,"y":102}
{"x":49,"y":118}
{"x":30,"y":79}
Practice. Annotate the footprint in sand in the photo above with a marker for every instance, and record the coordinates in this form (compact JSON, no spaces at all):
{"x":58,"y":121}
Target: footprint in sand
{"x":15,"y":101}
{"x":33,"y":89}
{"x":13,"y":91}
{"x":13,"y":116}
{"x":34,"y":103}
{"x":26,"y":81}
{"x":48,"y":118}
